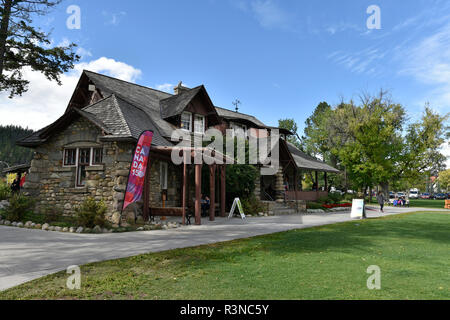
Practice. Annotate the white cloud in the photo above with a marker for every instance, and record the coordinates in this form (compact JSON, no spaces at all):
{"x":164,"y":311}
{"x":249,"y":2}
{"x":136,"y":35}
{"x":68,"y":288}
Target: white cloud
{"x":429,"y":63}
{"x":45,"y":101}
{"x":270,"y":15}
{"x":267,"y":13}
{"x":112,"y":68}
{"x":367,"y":61}
{"x":342,"y":27}
{"x":83,"y":53}
{"x":166,"y":87}
{"x":114,"y":18}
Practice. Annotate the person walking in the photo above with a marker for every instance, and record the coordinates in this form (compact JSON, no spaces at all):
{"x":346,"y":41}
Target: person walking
{"x":380,"y":199}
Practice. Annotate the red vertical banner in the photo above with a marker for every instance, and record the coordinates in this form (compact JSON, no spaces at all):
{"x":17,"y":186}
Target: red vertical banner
{"x":136,"y":178}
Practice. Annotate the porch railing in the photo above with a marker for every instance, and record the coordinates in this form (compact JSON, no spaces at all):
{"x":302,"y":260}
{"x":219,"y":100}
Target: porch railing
{"x":305,"y":195}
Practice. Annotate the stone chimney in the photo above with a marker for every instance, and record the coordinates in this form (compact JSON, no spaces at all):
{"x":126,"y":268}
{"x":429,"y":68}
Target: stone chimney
{"x":179,"y":89}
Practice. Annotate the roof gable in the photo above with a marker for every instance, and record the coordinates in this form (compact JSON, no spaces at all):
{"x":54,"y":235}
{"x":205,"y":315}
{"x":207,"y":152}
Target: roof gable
{"x":176,"y":104}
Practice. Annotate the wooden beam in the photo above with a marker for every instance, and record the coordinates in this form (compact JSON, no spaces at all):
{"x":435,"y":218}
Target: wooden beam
{"x":198,"y":188}
{"x":222,"y":190}
{"x":184,"y":189}
{"x":146,"y":208}
{"x":317,"y":181}
{"x":295,"y":179}
{"x":212,"y":192}
{"x":326,"y":181}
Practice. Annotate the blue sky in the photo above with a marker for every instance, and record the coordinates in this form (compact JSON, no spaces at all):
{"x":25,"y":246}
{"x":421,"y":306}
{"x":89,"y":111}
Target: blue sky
{"x":280,"y":58}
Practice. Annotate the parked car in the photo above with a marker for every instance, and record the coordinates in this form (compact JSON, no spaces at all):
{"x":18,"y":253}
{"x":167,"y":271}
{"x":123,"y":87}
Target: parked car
{"x":391,"y":195}
{"x":400,"y":194}
{"x":425,"y":196}
{"x":414,"y":194}
{"x":440,"y":196}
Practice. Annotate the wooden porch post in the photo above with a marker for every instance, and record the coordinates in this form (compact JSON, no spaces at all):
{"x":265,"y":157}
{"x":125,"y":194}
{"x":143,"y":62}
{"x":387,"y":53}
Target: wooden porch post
{"x":184,"y":188}
{"x":317,"y":181}
{"x":146,"y":210}
{"x":198,"y":188}
{"x":326,"y":181}
{"x":222,"y":190}
{"x":212,"y":192}
{"x":295,"y":180}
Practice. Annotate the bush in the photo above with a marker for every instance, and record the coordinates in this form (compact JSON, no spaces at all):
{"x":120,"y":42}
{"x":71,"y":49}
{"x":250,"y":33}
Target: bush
{"x":91,"y":213}
{"x":335,"y":197}
{"x":314,"y":205}
{"x":240,"y":181}
{"x":19,"y":206}
{"x":5,"y":190}
{"x":324,"y":200}
{"x":252,"y":206}
{"x":350,"y":197}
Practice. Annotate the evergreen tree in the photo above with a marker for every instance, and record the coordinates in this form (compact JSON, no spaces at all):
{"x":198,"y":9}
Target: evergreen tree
{"x":22,"y":45}
{"x":10,"y":153}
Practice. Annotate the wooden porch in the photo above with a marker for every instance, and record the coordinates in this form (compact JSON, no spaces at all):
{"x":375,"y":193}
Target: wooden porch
{"x":305,"y":195}
{"x":216,"y":172}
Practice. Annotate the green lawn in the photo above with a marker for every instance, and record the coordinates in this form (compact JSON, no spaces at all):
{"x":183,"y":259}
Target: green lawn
{"x":439,"y":204}
{"x":328,"y":262}
{"x":419,"y":203}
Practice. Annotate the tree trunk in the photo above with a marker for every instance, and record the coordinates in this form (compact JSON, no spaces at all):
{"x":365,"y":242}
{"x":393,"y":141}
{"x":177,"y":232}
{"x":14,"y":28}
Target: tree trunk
{"x":4,"y":26}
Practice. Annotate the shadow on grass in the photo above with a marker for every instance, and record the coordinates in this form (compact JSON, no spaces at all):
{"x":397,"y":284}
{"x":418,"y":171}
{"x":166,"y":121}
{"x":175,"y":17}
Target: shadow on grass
{"x":343,"y":237}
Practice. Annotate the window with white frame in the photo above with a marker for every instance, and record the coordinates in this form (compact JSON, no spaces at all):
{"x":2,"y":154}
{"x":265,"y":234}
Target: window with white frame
{"x":81,"y":158}
{"x":199,"y":124}
{"x":70,"y":157}
{"x":163,"y":169}
{"x":186,"y":121}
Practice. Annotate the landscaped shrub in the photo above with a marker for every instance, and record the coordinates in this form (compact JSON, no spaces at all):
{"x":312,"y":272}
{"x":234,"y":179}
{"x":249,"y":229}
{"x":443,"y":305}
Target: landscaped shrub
{"x":350,"y":197}
{"x":314,"y":205}
{"x":335,"y":197}
{"x":324,"y":200}
{"x":19,"y":206}
{"x":252,"y":206}
{"x":5,"y":190}
{"x":91,"y":213}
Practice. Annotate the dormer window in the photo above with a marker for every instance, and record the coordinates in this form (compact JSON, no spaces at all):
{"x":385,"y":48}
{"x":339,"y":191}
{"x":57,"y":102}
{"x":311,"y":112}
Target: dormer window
{"x":186,"y":121}
{"x":199,"y":124}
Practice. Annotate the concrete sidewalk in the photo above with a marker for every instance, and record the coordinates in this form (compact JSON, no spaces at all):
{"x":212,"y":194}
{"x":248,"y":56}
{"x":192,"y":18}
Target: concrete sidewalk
{"x":29,"y":254}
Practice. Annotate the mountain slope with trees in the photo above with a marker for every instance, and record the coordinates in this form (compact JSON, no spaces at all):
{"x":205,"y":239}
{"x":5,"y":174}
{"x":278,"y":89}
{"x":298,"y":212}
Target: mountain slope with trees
{"x":10,"y":153}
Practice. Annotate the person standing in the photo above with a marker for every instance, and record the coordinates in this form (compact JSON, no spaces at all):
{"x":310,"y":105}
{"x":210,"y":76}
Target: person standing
{"x":380,"y":199}
{"x":15,"y":186}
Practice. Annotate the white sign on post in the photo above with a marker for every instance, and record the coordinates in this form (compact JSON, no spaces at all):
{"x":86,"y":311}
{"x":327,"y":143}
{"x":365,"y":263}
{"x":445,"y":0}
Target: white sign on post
{"x":237,"y":202}
{"x":358,"y":209}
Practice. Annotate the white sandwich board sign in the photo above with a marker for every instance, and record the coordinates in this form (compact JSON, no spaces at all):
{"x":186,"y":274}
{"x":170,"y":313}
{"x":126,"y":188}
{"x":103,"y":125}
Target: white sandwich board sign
{"x":237,"y":203}
{"x":358,"y":210}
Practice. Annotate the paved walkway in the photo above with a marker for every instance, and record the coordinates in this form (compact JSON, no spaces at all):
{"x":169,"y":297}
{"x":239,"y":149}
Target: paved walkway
{"x":29,"y":254}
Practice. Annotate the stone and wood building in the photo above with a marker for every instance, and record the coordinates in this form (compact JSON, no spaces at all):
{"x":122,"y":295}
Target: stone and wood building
{"x":87,"y":152}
